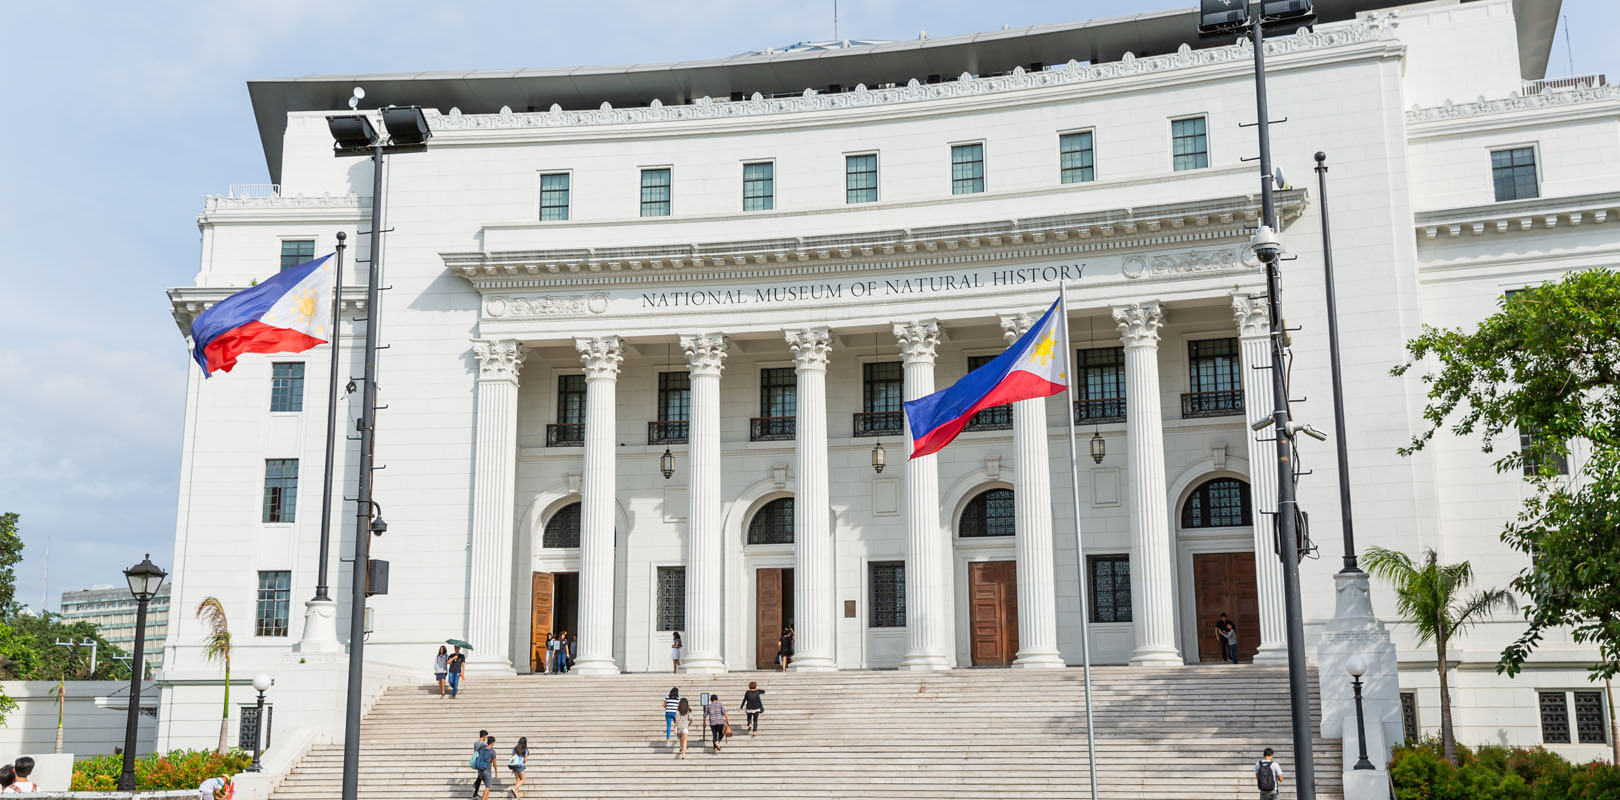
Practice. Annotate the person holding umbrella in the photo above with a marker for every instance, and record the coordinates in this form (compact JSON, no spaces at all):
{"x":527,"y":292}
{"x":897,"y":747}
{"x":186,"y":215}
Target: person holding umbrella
{"x":455,"y":665}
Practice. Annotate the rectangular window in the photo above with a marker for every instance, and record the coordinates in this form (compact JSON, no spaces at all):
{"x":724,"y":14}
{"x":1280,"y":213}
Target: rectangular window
{"x":1554,"y":717}
{"x":554,"y":197}
{"x":1533,"y":466}
{"x":280,"y":489}
{"x":888,"y":580}
{"x":967,"y":168}
{"x":655,"y":191}
{"x":287,"y":387}
{"x":1589,"y":727}
{"x":1214,"y":379}
{"x":671,"y":598}
{"x":1074,"y":155}
{"x":674,"y":396}
{"x":1100,"y":381}
{"x":778,"y":405}
{"x":297,"y":252}
{"x":883,"y":382}
{"x":860,"y":178}
{"x":571,"y":399}
{"x":1189,"y":144}
{"x":1513,"y":173}
{"x":759,"y":186}
{"x":275,"y":592}
{"x":1409,"y":723}
{"x":1110,"y":588}
{"x":994,"y":418}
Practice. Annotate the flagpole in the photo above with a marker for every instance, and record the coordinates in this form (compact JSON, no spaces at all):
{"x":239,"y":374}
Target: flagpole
{"x":331,"y":418}
{"x":1079,"y":547}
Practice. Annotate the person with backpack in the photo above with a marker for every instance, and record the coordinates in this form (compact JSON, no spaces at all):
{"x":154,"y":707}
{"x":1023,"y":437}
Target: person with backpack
{"x":483,"y":761}
{"x":1268,"y":776}
{"x":518,"y":763}
{"x":672,"y":703}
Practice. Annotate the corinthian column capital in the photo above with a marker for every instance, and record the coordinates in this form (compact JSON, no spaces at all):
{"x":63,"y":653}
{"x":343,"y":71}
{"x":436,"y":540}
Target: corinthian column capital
{"x":1016,"y":325}
{"x":810,"y":346}
{"x":1252,"y":315}
{"x":705,"y":353}
{"x":918,"y":340}
{"x":601,"y":356}
{"x":499,"y":359}
{"x":1139,"y":324}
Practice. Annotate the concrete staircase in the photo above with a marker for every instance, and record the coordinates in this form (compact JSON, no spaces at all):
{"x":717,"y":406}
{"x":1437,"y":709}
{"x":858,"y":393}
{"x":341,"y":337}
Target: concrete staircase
{"x":1191,"y":732}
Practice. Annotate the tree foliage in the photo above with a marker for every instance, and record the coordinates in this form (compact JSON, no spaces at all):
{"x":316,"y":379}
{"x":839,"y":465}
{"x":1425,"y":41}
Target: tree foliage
{"x":1547,"y":363}
{"x":217,"y":647}
{"x":11,"y":547}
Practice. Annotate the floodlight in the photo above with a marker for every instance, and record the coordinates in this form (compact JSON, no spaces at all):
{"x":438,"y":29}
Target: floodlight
{"x":407,"y":125}
{"x":1216,"y":16}
{"x":1284,"y":9}
{"x":352,"y":131}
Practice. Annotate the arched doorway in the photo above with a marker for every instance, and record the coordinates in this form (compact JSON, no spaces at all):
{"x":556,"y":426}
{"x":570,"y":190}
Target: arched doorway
{"x":992,"y":585}
{"x":1215,"y":528}
{"x":769,"y":538}
{"x":555,"y":606}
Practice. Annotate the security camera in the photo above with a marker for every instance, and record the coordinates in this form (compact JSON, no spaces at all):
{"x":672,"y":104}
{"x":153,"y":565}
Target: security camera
{"x":1295,"y":428}
{"x":1261,"y":424}
{"x":1264,"y":243}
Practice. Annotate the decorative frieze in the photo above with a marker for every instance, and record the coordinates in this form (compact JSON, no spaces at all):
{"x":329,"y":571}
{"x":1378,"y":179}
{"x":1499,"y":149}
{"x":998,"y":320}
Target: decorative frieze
{"x":1190,"y":261}
{"x":1515,"y":102}
{"x":500,"y":306}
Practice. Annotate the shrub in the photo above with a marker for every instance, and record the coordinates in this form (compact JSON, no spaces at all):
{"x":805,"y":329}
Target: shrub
{"x":1420,"y":772}
{"x":177,"y":769}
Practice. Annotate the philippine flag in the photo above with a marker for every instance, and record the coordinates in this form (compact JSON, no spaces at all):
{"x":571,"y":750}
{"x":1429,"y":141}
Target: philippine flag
{"x":1035,"y":366}
{"x":285,"y":314}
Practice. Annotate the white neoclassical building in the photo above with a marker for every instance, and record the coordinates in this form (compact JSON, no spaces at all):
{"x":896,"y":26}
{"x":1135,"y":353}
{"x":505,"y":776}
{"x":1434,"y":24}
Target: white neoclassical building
{"x":748,"y":263}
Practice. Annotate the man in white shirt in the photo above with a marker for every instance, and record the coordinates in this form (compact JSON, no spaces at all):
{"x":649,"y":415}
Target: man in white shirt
{"x":24,"y":768}
{"x":215,"y":789}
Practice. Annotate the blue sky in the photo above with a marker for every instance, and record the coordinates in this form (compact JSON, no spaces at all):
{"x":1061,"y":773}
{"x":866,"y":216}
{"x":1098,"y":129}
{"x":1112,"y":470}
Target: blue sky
{"x":121,"y":117}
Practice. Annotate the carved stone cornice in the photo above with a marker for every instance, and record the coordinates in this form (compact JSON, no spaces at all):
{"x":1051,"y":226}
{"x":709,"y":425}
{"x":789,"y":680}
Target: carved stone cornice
{"x":1016,"y":325}
{"x":1251,"y":314}
{"x":1536,"y":213}
{"x":1371,"y":28}
{"x":1547,"y":98}
{"x":811,"y":346}
{"x":1139,"y":324}
{"x":499,"y":359}
{"x":919,"y":340}
{"x":601,"y":356}
{"x":705,"y":353}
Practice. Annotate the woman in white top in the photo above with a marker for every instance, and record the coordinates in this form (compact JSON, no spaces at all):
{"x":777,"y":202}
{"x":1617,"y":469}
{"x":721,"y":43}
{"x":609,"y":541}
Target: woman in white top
{"x":683,"y":723}
{"x":441,"y":666}
{"x":675,"y":652}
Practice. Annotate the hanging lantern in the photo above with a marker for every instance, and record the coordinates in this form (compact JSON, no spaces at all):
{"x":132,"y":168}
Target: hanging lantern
{"x":880,"y":458}
{"x":666,"y":464}
{"x":1099,"y":448}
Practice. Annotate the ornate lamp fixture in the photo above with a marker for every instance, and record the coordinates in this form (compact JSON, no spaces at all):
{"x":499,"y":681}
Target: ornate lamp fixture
{"x":666,"y":462}
{"x":1099,"y":448}
{"x":880,"y":457}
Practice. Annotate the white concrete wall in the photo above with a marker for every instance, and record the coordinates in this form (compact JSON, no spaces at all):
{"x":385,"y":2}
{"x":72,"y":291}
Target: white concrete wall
{"x":89,"y":726}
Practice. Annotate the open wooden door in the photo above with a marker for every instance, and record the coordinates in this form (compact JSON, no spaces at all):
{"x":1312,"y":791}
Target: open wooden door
{"x":540,"y":621}
{"x":1225,"y":582}
{"x":768,"y":616}
{"x":993,"y":612}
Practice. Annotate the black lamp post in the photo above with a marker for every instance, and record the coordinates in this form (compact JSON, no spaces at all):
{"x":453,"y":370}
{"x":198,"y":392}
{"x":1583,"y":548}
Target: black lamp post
{"x":1338,"y":381}
{"x":1357,"y":667}
{"x":261,"y":683}
{"x":145,"y":579}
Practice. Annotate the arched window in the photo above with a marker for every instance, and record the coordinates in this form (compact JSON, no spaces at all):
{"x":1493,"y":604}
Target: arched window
{"x":772,"y":524}
{"x":1218,"y":503}
{"x":562,"y":530}
{"x":989,"y":514}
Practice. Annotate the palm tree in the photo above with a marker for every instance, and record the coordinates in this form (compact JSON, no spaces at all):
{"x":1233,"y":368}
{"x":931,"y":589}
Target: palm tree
{"x":217,"y":647}
{"x":1430,"y":597}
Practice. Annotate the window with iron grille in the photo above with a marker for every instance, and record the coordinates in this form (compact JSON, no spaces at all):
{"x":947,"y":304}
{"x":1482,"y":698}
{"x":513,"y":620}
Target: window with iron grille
{"x":772,"y":524}
{"x":570,"y":399}
{"x":1100,"y":379}
{"x":675,"y":396}
{"x":1554,"y":717}
{"x":554,"y":197}
{"x":1074,"y":156}
{"x":280,"y":489}
{"x":1218,"y":503}
{"x":275,"y":594}
{"x":994,"y":418}
{"x":1110,"y":588}
{"x":562,"y":530}
{"x":888,"y":580}
{"x":883,"y":383}
{"x":1214,"y":365}
{"x":778,"y":392}
{"x":1513,"y":173}
{"x":671,"y":598}
{"x":655,"y":192}
{"x":247,"y":731}
{"x":1532,"y":466}
{"x":1189,"y":144}
{"x":759,"y":186}
{"x":989,"y":514}
{"x":295,"y":252}
{"x":860,"y":178}
{"x":967,"y":168}
{"x":1589,"y":727}
{"x":287,"y":387}
{"x":1409,"y":724}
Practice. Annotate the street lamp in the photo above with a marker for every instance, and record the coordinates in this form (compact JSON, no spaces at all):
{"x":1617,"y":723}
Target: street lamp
{"x":1357,"y":667}
{"x":145,"y":579}
{"x":262,"y":683}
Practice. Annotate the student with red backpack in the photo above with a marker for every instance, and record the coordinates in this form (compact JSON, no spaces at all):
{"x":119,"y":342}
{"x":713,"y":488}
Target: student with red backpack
{"x":1268,"y":776}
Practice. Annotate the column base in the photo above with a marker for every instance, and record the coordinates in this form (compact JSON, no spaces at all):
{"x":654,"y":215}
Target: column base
{"x":924,"y":661}
{"x":808,"y":663}
{"x":1157,"y":656}
{"x":320,"y":629}
{"x":702,"y":665}
{"x":605,"y":666}
{"x":1271,"y":654}
{"x":1039,"y":659}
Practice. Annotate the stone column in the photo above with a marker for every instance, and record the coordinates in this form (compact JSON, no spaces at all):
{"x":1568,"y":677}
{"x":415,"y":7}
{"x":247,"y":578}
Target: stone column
{"x":813,"y":588}
{"x":705,"y":357}
{"x":489,"y":596}
{"x":1153,"y":605}
{"x":1032,"y":515}
{"x":1254,"y":329}
{"x":601,"y":356}
{"x":927,"y":622}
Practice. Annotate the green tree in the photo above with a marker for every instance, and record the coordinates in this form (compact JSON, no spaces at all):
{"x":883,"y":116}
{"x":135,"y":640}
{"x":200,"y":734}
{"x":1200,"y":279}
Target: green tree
{"x":29,"y":650}
{"x":1546,"y":364}
{"x":11,"y":548}
{"x":217,"y":647}
{"x":1429,"y":597}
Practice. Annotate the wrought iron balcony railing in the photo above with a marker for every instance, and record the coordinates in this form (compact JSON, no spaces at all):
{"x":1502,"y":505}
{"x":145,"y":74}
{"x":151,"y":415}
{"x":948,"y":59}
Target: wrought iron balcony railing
{"x":1100,"y":409}
{"x":565,"y":434}
{"x":998,"y":418}
{"x":771,"y":429}
{"x":879,"y":423}
{"x":1226,"y":403}
{"x":667,"y":431}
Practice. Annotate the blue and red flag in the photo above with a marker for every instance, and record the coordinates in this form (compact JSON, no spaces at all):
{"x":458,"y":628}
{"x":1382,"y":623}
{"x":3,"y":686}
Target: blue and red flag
{"x":1034,"y":366}
{"x":281,"y":315}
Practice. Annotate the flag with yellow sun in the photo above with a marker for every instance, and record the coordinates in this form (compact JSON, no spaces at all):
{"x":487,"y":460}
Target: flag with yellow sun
{"x":288,"y":313}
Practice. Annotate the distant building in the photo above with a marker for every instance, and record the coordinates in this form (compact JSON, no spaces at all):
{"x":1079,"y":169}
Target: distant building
{"x":112,"y":610}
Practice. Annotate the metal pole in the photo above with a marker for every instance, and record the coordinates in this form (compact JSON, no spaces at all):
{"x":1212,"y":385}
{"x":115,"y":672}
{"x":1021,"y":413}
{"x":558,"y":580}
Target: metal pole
{"x":126,"y":779}
{"x":258,"y":737}
{"x":1338,"y":381}
{"x":1361,"y":727}
{"x":1287,"y":507}
{"x":1079,"y":546}
{"x":331,"y":419}
{"x":362,"y":513}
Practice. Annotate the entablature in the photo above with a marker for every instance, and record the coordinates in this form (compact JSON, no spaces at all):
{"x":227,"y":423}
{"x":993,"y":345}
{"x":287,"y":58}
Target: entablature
{"x":276,"y":208}
{"x":1542,"y":213}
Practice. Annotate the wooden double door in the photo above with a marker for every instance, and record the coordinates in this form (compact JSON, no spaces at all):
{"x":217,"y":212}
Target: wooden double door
{"x":993,"y":612}
{"x":555,"y":609}
{"x":1225,"y":582}
{"x":773,"y":612}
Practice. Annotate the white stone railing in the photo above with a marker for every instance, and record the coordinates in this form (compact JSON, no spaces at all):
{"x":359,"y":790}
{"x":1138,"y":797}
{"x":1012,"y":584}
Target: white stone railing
{"x":1549,"y":98}
{"x":1570,"y":82}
